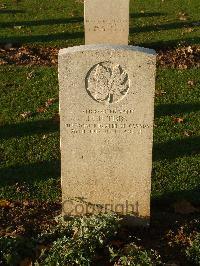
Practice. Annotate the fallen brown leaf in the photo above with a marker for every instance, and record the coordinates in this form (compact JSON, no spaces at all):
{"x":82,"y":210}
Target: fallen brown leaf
{"x":183,"y":16}
{"x":17,"y":27}
{"x":189,"y":49}
{"x":2,"y":62}
{"x":30,"y":75}
{"x":26,"y":114}
{"x":2,"y":6}
{"x":188,"y":30}
{"x":160,"y":92}
{"x":188,"y":133}
{"x":25,"y":203}
{"x":4,"y":203}
{"x":41,"y":110}
{"x":191,"y":83}
{"x":178,"y":120}
{"x":26,"y":262}
{"x":49,"y":102}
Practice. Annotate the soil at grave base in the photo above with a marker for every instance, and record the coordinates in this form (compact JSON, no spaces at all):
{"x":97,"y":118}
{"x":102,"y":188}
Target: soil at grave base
{"x":181,"y":58}
{"x":168,"y":234}
{"x":27,"y":218}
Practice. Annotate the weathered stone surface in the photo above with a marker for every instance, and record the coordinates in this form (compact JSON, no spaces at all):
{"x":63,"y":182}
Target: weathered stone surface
{"x":106,"y":112}
{"x":106,"y":21}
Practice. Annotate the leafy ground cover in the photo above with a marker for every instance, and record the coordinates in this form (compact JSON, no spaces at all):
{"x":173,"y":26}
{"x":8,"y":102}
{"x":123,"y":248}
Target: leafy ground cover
{"x":181,"y":57}
{"x":31,"y":33}
{"x":103,"y":240}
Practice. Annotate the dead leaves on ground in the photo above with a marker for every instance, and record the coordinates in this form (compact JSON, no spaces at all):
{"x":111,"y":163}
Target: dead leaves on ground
{"x":191,"y":83}
{"x":178,"y":238}
{"x":47,"y":104}
{"x":39,"y":110}
{"x":4,"y":203}
{"x":178,"y":120}
{"x":188,"y":133}
{"x":181,"y":58}
{"x":160,"y":92}
{"x":26,"y":114}
{"x":184,"y":234}
{"x":26,"y":262}
{"x":25,"y":55}
{"x":27,"y":217}
{"x":183,"y":16}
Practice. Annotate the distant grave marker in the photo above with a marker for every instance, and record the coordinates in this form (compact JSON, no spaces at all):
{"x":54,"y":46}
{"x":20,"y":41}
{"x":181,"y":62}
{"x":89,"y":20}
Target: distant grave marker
{"x":106,"y":21}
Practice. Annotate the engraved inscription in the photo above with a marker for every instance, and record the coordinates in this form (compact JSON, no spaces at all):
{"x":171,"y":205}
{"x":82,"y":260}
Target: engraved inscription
{"x":107,"y":21}
{"x":107,"y":121}
{"x":107,"y":25}
{"x":107,"y":83}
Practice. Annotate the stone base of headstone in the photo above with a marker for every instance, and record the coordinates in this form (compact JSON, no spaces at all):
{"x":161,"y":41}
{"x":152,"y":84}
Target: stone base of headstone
{"x":106,"y":113}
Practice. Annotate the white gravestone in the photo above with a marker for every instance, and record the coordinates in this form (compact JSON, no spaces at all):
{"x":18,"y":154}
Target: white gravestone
{"x":106,"y":21}
{"x":106,"y":112}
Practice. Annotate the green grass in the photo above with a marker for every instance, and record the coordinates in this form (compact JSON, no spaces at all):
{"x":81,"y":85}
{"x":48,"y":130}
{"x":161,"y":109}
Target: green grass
{"x":30,"y":147}
{"x":176,"y":155}
{"x":153,"y":23}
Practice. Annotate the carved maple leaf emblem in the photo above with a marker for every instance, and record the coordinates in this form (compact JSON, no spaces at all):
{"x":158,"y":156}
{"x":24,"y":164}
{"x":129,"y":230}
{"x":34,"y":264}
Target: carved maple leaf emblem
{"x":107,"y":83}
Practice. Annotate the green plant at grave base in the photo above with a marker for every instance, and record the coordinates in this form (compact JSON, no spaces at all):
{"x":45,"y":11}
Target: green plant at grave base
{"x":87,"y":234}
{"x":193,"y":252}
{"x":15,"y":250}
{"x":72,"y":242}
{"x":135,"y":256}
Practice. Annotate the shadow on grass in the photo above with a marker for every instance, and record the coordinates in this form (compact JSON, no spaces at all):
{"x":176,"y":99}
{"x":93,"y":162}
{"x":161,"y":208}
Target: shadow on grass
{"x":80,"y":35}
{"x":147,"y":14}
{"x":167,"y":200}
{"x":172,"y":109}
{"x":7,"y":11}
{"x":44,"y":38}
{"x":189,"y":146}
{"x":165,"y":44}
{"x":30,"y":173}
{"x":62,"y":20}
{"x":161,"y":27}
{"x":28,"y":128}
{"x":41,"y":22}
{"x":64,"y":36}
